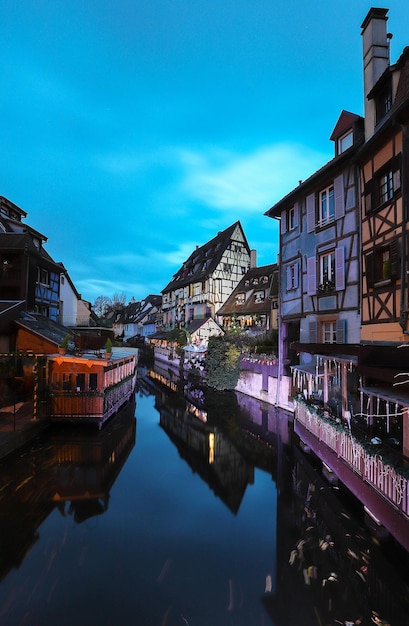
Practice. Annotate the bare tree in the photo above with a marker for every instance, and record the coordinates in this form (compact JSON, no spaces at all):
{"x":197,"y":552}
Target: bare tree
{"x":102,"y":305}
{"x":118,"y":300}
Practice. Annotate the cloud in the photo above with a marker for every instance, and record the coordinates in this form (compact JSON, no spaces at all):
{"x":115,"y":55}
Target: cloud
{"x":247,"y":182}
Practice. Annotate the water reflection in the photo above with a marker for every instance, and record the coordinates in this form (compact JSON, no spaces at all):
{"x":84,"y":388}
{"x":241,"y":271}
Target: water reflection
{"x":214,"y":518}
{"x":71,"y":470}
{"x":330,"y":569}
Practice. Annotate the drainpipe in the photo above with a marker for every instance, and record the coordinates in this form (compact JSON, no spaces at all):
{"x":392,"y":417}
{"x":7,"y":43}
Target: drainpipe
{"x":403,"y":319}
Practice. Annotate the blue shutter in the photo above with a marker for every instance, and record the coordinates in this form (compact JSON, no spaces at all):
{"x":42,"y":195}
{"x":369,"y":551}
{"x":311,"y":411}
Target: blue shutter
{"x":313,"y":332}
{"x":310,"y":213}
{"x":339,"y":197}
{"x":288,"y":286}
{"x":339,"y":269}
{"x":311,"y":276}
{"x":296,"y":275}
{"x":341,"y":331}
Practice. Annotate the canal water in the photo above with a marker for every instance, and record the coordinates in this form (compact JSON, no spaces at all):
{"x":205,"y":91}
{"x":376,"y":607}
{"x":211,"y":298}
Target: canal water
{"x":188,"y":508}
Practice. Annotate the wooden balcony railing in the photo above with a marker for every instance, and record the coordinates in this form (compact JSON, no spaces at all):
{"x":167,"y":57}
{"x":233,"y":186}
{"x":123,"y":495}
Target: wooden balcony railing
{"x":390,"y":481}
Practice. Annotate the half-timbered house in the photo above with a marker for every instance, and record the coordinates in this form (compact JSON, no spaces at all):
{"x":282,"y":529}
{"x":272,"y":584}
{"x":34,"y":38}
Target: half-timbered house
{"x":27,"y":272}
{"x":206,"y":279}
{"x":319,"y":267}
{"x":253,"y":304}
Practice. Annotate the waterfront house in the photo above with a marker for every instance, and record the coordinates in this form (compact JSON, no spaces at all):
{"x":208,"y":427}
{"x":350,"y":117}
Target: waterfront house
{"x":344,"y":294}
{"x":320,"y":271}
{"x":206,"y":279}
{"x":27,"y":271}
{"x":253,"y":304}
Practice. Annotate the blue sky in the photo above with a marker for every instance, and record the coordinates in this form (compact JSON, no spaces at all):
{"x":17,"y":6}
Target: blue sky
{"x":133,"y":130}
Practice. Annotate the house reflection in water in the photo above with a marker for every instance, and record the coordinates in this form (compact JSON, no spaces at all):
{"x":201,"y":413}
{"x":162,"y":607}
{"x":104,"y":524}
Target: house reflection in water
{"x":74,"y":473}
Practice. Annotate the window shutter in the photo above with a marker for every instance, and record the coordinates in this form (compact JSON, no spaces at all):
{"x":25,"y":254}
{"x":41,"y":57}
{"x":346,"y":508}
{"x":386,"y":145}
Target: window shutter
{"x":396,"y":180}
{"x":368,"y":196}
{"x":288,"y":277}
{"x":394,"y":254}
{"x":339,"y":197}
{"x":339,"y":269}
{"x":313,"y":332}
{"x":296,"y":215}
{"x":310,"y":213}
{"x":283,"y":222}
{"x":296,"y":275}
{"x":340,"y":329}
{"x":370,"y":269}
{"x":311,"y":276}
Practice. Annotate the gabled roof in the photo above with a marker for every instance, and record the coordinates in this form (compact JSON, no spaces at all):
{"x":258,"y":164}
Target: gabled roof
{"x":19,"y":242}
{"x":68,"y":277}
{"x":9,"y":206}
{"x":250,"y":284}
{"x":204,"y":260}
{"x":42,"y":326}
{"x":345,"y":121}
{"x":9,"y":311}
{"x":195,"y":324}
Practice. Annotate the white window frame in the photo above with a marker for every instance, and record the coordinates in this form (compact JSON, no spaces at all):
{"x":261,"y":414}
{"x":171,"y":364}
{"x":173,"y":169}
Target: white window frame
{"x":326,"y":205}
{"x":327,"y":267}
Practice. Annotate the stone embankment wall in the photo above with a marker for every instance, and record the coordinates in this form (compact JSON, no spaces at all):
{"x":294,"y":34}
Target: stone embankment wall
{"x":259,"y":379}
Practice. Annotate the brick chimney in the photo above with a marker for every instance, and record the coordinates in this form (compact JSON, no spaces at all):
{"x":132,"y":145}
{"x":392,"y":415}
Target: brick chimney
{"x":375,"y":58}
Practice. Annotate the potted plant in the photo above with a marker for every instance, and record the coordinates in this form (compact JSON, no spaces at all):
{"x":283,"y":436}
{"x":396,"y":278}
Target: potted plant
{"x":108,"y":349}
{"x":62,"y":348}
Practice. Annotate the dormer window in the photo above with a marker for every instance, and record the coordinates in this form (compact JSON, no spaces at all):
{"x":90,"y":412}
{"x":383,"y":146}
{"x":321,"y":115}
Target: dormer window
{"x":345,"y":142}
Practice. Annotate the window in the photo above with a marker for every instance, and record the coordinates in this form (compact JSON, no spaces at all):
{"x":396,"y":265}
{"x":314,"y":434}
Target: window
{"x":259,"y":297}
{"x":328,"y":332}
{"x":292,"y":276}
{"x":327,"y":272}
{"x":240,"y":298}
{"x":326,"y":206}
{"x":384,"y":186}
{"x":383,"y":264}
{"x":42,"y":276}
{"x":345,"y":141}
{"x":80,"y":382}
{"x":227,"y":267}
{"x":93,"y":382}
{"x":291,"y":219}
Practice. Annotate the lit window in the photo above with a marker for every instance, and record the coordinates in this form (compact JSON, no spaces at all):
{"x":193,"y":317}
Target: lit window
{"x":259,"y":296}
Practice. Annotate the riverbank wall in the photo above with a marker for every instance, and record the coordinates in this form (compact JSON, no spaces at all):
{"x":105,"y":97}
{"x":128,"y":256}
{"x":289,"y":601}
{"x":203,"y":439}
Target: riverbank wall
{"x":259,"y":379}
